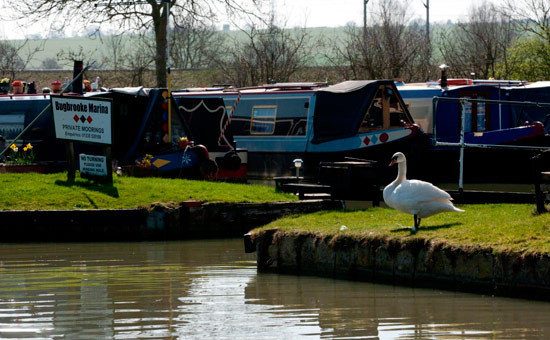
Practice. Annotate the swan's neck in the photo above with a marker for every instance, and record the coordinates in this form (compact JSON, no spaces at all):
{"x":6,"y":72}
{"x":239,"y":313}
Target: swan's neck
{"x":401,"y":172}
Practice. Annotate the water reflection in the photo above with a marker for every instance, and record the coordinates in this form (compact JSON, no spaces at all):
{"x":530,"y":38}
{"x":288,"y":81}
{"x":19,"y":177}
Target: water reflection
{"x":200,"y":289}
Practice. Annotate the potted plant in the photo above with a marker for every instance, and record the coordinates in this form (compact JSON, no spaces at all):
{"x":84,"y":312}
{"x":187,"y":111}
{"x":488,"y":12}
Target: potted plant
{"x":21,"y":159}
{"x":4,"y":85}
{"x":56,"y":86}
{"x":18,"y":87}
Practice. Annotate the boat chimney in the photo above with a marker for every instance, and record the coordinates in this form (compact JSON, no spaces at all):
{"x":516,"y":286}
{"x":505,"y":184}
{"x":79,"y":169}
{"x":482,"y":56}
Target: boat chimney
{"x":443,"y":69}
{"x":77,"y":84}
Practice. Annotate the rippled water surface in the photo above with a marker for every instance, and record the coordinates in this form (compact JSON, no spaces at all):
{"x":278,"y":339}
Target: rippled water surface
{"x":211,"y":290}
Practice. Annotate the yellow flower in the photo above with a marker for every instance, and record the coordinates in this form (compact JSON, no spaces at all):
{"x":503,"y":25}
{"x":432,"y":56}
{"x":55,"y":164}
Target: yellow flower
{"x":29,"y":146}
{"x":14,"y":148}
{"x":25,"y":149}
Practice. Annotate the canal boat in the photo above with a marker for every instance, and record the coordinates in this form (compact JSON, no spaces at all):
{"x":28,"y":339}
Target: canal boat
{"x":140,"y":135}
{"x":496,"y":113}
{"x":278,"y":123}
{"x":491,"y":122}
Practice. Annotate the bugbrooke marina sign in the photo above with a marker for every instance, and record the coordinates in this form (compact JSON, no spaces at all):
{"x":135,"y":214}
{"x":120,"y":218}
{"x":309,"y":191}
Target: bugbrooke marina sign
{"x":82,"y":119}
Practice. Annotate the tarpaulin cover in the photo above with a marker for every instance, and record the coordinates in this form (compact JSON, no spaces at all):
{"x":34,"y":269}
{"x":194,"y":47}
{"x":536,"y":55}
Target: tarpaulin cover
{"x":538,"y":92}
{"x":339,"y":109}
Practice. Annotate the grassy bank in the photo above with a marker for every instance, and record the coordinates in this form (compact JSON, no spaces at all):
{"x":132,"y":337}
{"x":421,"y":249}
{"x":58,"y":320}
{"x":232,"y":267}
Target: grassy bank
{"x":38,"y":191}
{"x":503,"y":227}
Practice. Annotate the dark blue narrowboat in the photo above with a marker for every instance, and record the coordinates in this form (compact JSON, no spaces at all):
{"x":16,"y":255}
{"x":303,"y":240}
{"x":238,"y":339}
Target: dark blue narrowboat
{"x":140,"y":126}
{"x":496,"y":113}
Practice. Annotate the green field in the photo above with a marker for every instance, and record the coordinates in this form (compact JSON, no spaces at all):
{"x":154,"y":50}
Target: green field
{"x":94,"y":48}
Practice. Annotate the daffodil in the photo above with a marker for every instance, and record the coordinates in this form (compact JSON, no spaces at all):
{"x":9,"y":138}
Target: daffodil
{"x":14,"y":148}
{"x":25,"y":149}
{"x":29,"y":146}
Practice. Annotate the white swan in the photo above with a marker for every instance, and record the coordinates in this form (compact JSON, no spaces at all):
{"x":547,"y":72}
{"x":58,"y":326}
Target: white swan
{"x":419,"y":198}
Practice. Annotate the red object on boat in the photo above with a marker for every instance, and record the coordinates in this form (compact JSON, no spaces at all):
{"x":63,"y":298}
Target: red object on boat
{"x":458,"y":81}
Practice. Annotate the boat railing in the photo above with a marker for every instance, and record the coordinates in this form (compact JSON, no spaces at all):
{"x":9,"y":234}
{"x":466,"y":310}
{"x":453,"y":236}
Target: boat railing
{"x":463,"y":145}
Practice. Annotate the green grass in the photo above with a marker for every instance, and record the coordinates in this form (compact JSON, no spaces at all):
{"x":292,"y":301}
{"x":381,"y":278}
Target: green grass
{"x":503,"y":227}
{"x":33,"y":191}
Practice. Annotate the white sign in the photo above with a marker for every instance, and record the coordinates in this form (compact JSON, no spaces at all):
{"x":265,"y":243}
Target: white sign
{"x":82,"y":119}
{"x":93,"y":165}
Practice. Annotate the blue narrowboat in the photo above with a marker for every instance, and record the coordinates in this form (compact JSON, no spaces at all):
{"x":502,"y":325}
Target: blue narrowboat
{"x":498,"y":121}
{"x":278,"y":123}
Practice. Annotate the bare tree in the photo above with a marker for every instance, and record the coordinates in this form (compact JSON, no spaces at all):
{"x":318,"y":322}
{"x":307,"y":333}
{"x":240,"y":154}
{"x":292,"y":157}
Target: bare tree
{"x":141,"y":16}
{"x":68,"y":56}
{"x":268,"y":55}
{"x":116,"y":45}
{"x":138,"y":59}
{"x":16,"y":56}
{"x":532,"y":16}
{"x":479,"y":44}
{"x":193,"y":44}
{"x":392,"y":47}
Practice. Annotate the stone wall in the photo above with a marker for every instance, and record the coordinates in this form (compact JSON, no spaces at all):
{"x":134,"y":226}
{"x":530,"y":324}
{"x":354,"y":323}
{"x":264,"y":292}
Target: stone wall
{"x":414,"y":262}
{"x":160,"y":221}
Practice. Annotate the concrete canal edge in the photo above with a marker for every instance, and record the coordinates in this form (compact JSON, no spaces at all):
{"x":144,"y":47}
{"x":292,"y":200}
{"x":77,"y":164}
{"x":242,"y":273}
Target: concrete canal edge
{"x":159,"y":221}
{"x":414,"y":262}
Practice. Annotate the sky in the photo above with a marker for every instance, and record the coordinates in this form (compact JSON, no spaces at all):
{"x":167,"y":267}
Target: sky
{"x":339,"y":12}
{"x":316,"y":13}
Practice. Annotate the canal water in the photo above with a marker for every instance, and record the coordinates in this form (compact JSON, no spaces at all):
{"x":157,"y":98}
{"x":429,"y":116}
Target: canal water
{"x":211,"y":290}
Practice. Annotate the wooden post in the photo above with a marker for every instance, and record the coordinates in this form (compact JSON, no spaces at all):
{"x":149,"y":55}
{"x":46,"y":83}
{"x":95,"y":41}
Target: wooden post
{"x":71,"y":171}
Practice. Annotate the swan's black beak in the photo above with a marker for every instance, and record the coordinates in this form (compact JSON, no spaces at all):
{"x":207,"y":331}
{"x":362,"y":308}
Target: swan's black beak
{"x":393,"y":161}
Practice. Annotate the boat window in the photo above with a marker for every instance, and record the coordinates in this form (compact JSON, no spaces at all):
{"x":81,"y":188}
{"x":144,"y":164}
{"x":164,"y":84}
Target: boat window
{"x":386,"y":111}
{"x":263,"y":120}
{"x":11,"y":125}
{"x":398,"y":116}
{"x":373,"y":119}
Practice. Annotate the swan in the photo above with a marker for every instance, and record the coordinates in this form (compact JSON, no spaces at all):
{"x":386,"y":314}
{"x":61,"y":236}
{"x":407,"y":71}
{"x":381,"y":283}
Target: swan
{"x":419,"y":198}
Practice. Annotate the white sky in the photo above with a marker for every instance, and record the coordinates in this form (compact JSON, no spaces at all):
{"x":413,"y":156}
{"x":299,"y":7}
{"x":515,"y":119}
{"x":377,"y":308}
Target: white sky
{"x":340,"y":12}
{"x":315,"y":13}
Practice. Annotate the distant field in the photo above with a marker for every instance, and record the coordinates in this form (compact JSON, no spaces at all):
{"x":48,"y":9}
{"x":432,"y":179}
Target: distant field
{"x":98,"y":49}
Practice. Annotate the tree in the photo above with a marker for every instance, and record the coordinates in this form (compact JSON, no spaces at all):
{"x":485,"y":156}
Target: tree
{"x":528,"y":59}
{"x":194,"y":43}
{"x":529,"y":56}
{"x":391,"y":47}
{"x":141,"y":16}
{"x":116,"y":45}
{"x":138,"y":59}
{"x":69,"y":56}
{"x":268,"y":55}
{"x":478,"y":44}
{"x":532,"y":16}
{"x":50,"y":64}
{"x":15,"y":56}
